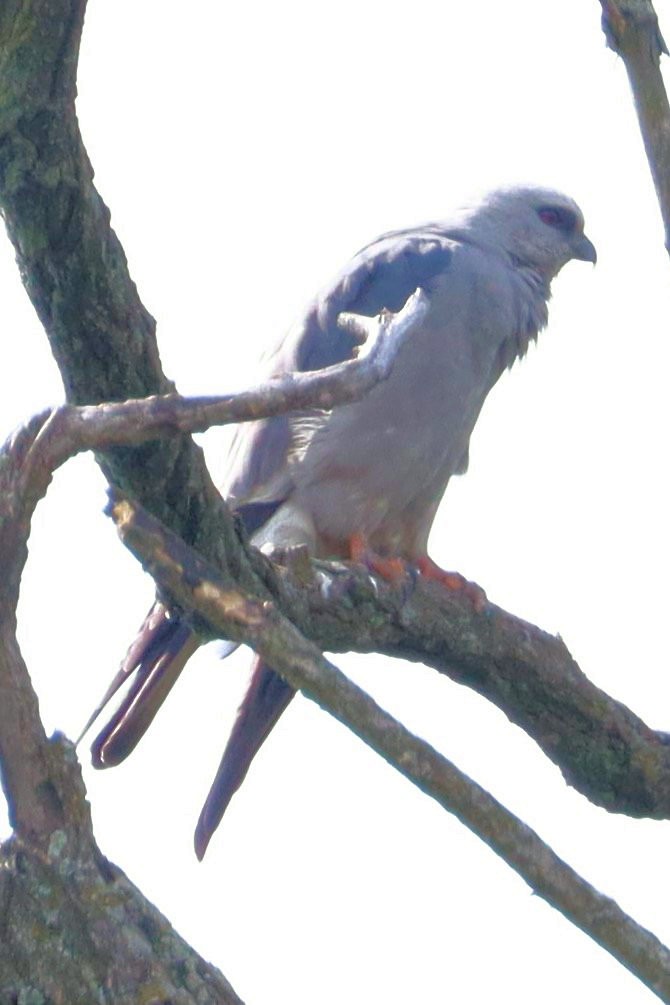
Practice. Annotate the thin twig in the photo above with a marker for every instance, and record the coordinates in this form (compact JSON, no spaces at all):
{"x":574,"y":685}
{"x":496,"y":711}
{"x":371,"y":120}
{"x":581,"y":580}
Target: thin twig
{"x":71,"y":429}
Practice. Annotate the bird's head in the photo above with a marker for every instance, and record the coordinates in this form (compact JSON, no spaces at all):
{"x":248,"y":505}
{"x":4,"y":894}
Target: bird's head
{"x":538,"y":227}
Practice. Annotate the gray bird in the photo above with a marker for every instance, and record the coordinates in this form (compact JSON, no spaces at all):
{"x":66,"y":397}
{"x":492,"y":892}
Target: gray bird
{"x":364,"y":480}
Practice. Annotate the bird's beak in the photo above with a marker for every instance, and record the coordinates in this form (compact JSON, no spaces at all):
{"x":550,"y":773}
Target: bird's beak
{"x":584,"y":250}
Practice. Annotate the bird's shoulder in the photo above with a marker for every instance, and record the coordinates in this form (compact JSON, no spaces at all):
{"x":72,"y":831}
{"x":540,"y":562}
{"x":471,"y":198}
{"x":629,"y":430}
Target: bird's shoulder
{"x":380,"y":277}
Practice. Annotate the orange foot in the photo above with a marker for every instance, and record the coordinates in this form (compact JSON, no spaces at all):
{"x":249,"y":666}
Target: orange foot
{"x":395,"y":570}
{"x":452,"y":581}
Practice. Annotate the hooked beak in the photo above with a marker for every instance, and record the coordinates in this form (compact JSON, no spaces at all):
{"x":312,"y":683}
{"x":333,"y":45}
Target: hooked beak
{"x":584,"y":250}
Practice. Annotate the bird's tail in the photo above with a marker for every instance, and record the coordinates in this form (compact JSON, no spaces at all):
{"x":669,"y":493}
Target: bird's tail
{"x":266,"y":698}
{"x":157,"y":656}
{"x":162,"y":648}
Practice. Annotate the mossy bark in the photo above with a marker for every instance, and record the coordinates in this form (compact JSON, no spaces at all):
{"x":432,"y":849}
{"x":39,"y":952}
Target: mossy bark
{"x":72,"y":927}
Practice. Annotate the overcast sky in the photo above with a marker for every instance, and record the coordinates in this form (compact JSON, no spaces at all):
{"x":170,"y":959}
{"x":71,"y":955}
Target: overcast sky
{"x":245,"y":155}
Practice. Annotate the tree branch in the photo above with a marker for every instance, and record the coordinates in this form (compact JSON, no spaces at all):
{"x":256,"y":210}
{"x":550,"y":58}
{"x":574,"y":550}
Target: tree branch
{"x":74,"y":930}
{"x":71,"y":429}
{"x":109,"y":944}
{"x":216,"y":609}
{"x":43,"y":788}
{"x":75,"y":272}
{"x":28,"y":461}
{"x":631,"y":30}
{"x":603,"y":749}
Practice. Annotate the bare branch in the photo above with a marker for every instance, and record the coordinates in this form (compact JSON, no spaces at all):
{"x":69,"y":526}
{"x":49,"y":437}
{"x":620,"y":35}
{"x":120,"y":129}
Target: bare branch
{"x":71,"y":429}
{"x":28,"y":461}
{"x":76,"y":274}
{"x":42,"y":785}
{"x":632,"y":31}
{"x":603,"y":749}
{"x":100,"y":949}
{"x":195,"y":587}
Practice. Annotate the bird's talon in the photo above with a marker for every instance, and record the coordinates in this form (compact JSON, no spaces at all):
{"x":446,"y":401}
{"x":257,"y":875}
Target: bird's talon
{"x":453,"y":581}
{"x":394,"y":570}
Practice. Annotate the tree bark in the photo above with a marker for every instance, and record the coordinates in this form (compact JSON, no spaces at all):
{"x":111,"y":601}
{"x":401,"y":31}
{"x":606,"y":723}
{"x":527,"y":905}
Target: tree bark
{"x":75,"y":929}
{"x":632,"y":31}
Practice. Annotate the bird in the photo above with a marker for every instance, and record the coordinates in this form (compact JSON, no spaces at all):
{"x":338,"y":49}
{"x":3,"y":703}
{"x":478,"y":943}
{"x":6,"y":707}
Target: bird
{"x":363,"y":481}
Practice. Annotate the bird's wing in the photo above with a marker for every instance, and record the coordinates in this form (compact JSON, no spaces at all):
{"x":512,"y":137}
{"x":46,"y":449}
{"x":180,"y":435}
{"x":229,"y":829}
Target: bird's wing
{"x":381,"y":277}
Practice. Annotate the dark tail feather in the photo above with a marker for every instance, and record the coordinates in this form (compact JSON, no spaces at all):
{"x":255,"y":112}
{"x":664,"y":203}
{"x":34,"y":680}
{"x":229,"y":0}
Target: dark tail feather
{"x":157,"y":656}
{"x":266,"y":698}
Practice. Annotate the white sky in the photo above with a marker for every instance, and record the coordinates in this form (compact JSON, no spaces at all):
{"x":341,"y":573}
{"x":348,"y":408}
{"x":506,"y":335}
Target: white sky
{"x":246,"y":151}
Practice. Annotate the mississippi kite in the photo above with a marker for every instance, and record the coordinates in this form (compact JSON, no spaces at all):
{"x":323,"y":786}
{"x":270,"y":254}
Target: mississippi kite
{"x":364,"y":480}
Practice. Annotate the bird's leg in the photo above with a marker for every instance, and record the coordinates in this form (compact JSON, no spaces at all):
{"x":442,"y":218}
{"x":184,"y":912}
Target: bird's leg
{"x":452,"y":581}
{"x":395,"y":570}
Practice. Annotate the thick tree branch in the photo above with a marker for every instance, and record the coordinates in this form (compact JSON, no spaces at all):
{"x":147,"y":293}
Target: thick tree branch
{"x":105,"y":345}
{"x":43,"y":787}
{"x":27,"y":463}
{"x":632,"y":31}
{"x":603,"y":749}
{"x":380,"y":617}
{"x":194,"y":585}
{"x":76,"y":273}
{"x":73,"y":930}
{"x":108,"y":944}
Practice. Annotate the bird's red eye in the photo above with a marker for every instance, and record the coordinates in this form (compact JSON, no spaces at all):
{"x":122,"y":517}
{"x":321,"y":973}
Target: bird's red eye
{"x":558,"y":217}
{"x":550,"y":216}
